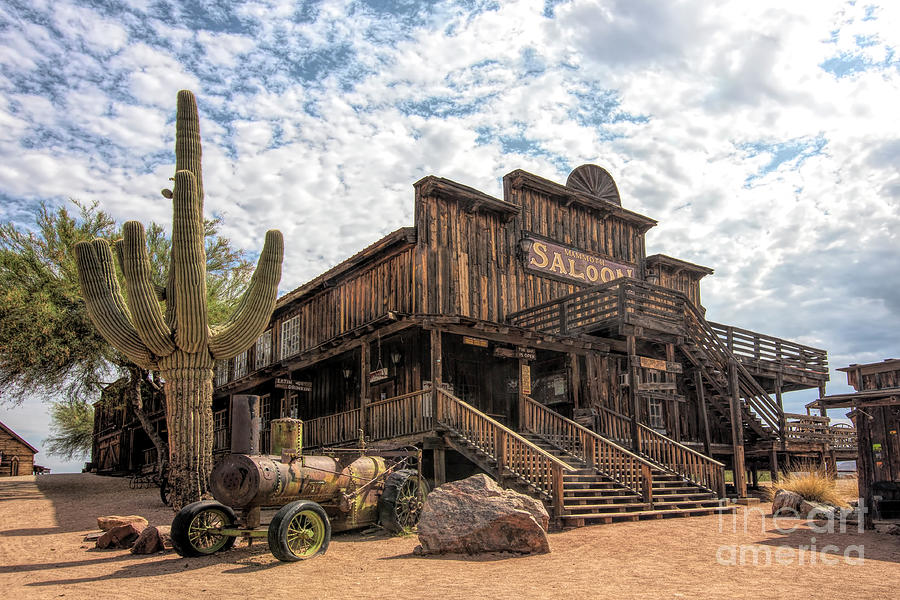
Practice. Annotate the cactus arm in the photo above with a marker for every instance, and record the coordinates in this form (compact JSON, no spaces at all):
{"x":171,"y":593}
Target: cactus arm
{"x":188,"y":152}
{"x":146,"y":315}
{"x":189,"y":264}
{"x":255,"y":309}
{"x":105,"y":305}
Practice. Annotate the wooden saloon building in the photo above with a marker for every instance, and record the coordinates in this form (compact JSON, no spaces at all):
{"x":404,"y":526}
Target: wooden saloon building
{"x":532,"y":337}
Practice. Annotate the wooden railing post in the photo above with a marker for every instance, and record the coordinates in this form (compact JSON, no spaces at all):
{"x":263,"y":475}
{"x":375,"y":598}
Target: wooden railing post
{"x":436,"y":372}
{"x":364,"y":368}
{"x":646,"y":485}
{"x":558,"y":506}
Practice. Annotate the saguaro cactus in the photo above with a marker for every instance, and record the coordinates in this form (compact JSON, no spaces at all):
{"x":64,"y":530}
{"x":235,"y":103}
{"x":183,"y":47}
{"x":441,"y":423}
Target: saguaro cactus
{"x":178,"y":343}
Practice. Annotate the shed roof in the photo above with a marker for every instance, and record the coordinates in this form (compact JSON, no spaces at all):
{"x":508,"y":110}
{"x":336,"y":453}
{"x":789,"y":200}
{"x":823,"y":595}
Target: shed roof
{"x":18,"y":437}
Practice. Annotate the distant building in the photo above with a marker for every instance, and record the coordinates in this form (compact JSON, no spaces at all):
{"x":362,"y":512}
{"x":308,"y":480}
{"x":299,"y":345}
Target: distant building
{"x":16,"y":455}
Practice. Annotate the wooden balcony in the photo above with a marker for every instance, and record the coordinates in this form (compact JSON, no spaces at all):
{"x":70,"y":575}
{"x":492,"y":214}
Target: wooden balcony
{"x":603,"y":309}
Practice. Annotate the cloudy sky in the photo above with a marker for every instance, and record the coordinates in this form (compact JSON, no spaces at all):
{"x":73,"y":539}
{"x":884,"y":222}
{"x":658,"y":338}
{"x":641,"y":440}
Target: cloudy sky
{"x":764,"y":136}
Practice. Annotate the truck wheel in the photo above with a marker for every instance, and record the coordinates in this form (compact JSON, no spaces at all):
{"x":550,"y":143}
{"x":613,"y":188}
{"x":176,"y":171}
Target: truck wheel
{"x":298,"y":531}
{"x":194,"y":528}
{"x":401,"y":503}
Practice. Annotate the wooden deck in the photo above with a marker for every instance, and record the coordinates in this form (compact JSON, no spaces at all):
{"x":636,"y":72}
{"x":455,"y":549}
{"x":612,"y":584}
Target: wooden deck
{"x":606,"y":308}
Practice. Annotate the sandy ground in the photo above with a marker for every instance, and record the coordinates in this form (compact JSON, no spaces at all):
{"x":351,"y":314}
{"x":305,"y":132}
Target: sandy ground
{"x":42,"y":555}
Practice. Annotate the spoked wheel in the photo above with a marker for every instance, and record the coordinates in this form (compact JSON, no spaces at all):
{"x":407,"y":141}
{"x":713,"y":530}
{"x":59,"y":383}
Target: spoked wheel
{"x":298,"y":531}
{"x":195,"y":529}
{"x":401,"y":503}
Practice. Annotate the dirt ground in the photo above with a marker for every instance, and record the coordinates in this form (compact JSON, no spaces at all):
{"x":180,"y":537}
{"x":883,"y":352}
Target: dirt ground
{"x":43,"y":520}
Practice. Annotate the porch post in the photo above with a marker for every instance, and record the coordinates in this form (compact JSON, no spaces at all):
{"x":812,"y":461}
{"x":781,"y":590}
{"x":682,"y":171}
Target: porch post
{"x":364,"y":368}
{"x":436,"y":371}
{"x":737,"y":434}
{"x":633,"y":398}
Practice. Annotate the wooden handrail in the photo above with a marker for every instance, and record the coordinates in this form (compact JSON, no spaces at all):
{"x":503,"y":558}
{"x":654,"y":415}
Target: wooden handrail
{"x":619,"y":464}
{"x":665,"y":452}
{"x":512,"y":452}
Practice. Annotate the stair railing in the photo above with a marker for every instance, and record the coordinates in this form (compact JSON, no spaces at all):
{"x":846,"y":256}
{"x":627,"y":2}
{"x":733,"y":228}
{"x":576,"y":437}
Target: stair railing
{"x":512,"y":452}
{"x":768,"y":411}
{"x":622,"y":466}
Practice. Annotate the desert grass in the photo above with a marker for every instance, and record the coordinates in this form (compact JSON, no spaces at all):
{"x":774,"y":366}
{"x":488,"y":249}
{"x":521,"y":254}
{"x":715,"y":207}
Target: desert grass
{"x":813,"y":483}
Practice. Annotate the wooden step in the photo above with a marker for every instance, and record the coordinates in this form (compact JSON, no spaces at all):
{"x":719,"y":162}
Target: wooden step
{"x":609,"y":517}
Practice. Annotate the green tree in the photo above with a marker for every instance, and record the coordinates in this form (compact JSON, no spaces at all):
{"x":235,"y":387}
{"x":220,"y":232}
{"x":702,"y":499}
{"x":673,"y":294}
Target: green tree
{"x":49,"y":349}
{"x":71,"y":429}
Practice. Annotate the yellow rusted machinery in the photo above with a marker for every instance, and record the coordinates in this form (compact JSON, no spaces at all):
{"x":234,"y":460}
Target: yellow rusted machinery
{"x":337,"y":490}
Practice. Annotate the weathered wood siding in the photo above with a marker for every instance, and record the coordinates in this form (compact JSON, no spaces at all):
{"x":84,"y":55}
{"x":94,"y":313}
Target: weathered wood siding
{"x":16,"y":455}
{"x":685,"y":282}
{"x":469,"y":261}
{"x":361,"y":297}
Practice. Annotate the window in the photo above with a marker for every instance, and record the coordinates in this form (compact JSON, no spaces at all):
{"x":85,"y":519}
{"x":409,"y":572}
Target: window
{"x":263,"y":350}
{"x":220,"y":430}
{"x":221,"y":372}
{"x":240,"y":365}
{"x":290,"y":337}
{"x":656,"y":414}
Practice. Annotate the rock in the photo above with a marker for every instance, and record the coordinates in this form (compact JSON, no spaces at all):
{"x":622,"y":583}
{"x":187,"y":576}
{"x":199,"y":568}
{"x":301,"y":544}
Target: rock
{"x":786,"y":504}
{"x":122,"y":536}
{"x":107,"y":523}
{"x":476,"y":515}
{"x":812,"y":510}
{"x":165,"y":535}
{"x":893,"y":530}
{"x":149,"y":542}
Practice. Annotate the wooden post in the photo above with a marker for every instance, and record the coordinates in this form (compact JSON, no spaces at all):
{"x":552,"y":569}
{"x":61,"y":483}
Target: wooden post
{"x":558,"y":485}
{"x":436,"y":371}
{"x":737,"y":434}
{"x":647,"y":486}
{"x":754,"y":476}
{"x":773,"y":463}
{"x":822,"y":410}
{"x":575,"y":379}
{"x":440,"y":466}
{"x":524,"y":389}
{"x":364,"y":369}
{"x":633,"y":398}
{"x":704,"y":415}
{"x":779,"y":385}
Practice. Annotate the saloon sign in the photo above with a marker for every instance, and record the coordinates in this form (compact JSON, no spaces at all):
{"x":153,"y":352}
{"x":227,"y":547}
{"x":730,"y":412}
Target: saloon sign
{"x":573,"y":265}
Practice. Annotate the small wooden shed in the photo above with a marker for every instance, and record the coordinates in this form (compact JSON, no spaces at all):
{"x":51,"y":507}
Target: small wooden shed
{"x":875,"y":410}
{"x":16,"y":455}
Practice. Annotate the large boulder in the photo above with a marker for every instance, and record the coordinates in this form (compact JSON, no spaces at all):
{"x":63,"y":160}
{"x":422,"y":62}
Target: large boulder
{"x":107,"y":523}
{"x":786,"y":504}
{"x":476,"y":515}
{"x":123,"y":536}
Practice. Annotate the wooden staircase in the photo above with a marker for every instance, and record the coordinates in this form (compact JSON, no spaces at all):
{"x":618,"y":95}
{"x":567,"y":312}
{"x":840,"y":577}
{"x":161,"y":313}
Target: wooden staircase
{"x":592,"y":497}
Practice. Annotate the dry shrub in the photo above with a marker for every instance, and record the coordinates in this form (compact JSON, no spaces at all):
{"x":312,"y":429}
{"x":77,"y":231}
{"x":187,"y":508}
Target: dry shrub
{"x":811,"y":482}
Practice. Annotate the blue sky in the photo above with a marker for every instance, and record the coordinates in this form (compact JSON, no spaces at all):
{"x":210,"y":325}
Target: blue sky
{"x":763,"y":136}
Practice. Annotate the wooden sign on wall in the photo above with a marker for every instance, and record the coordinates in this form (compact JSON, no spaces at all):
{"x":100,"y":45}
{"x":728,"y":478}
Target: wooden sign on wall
{"x":571,"y":264}
{"x":526,"y":379}
{"x":294,"y":386}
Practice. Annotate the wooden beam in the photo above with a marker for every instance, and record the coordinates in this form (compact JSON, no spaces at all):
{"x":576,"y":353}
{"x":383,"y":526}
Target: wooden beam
{"x":633,"y":398}
{"x":822,"y":410}
{"x":364,"y":368}
{"x":575,"y":379}
{"x":704,"y":412}
{"x":440,"y":466}
{"x":436,"y":368}
{"x":737,"y":433}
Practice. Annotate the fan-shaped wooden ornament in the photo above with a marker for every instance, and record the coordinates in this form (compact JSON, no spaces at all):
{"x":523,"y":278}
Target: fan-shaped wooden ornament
{"x":595,"y":181}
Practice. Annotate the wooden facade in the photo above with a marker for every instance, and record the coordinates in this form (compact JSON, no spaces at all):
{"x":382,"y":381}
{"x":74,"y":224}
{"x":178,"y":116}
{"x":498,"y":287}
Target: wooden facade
{"x":16,"y":455}
{"x":538,"y":314}
{"x":875,"y":411}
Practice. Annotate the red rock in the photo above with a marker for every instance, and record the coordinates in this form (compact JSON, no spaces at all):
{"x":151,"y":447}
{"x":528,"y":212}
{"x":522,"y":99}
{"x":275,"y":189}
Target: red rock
{"x":122,"y":536}
{"x":107,"y":523}
{"x":476,"y":515}
{"x":149,"y":542}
